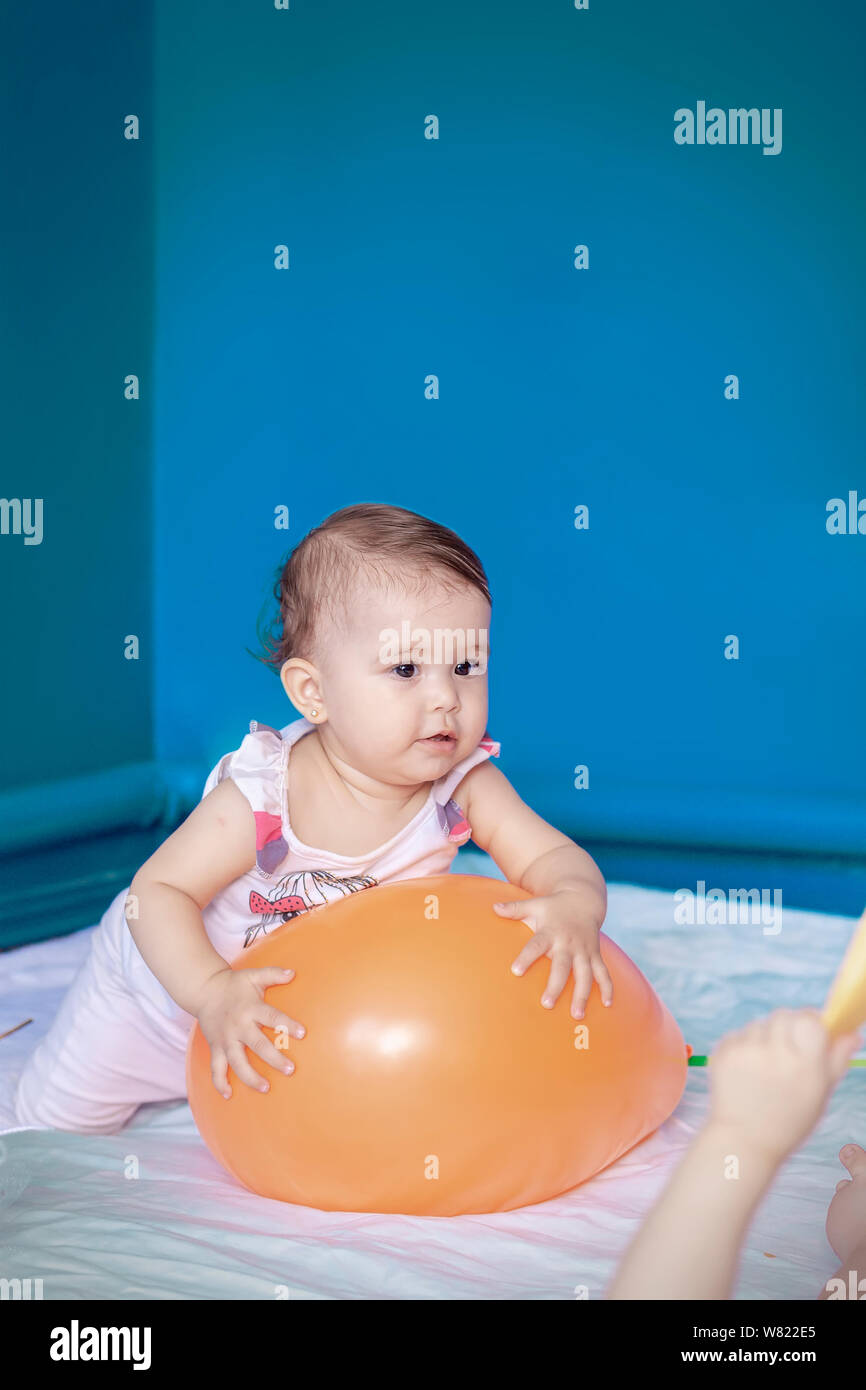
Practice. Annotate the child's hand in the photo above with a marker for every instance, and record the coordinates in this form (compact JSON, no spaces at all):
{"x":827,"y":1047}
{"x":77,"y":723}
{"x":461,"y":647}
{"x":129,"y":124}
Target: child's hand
{"x":231,"y":1008}
{"x":565,"y":931}
{"x":770,"y":1080}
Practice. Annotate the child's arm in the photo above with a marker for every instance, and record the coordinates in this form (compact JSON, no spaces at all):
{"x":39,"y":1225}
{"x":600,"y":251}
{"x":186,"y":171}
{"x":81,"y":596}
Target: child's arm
{"x":569,"y":900}
{"x":770,"y":1083}
{"x":529,"y":851}
{"x":689,"y":1244}
{"x":213,"y":847}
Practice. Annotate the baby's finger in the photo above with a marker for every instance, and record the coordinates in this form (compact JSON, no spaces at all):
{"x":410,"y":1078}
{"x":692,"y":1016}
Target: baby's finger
{"x":236,"y":1053}
{"x":582,"y":986}
{"x":602,"y":975}
{"x":519,"y":909}
{"x":264,"y":1048}
{"x":267,"y":975}
{"x":218,"y":1064}
{"x":559,"y":973}
{"x":536,"y":946}
{"x":280,"y":1022}
{"x":784,"y":1026}
{"x":760,"y":1030}
{"x":799,"y":1029}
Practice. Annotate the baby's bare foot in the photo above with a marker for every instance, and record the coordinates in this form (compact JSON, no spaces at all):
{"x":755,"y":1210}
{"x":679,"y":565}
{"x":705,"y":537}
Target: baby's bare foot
{"x":846,"y":1215}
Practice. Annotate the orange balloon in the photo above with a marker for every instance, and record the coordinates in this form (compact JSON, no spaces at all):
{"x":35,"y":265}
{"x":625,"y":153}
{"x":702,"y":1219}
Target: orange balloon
{"x":431,"y":1080}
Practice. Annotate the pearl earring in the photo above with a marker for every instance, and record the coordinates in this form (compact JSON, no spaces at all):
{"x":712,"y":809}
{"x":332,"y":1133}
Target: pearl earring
{"x":313,"y":713}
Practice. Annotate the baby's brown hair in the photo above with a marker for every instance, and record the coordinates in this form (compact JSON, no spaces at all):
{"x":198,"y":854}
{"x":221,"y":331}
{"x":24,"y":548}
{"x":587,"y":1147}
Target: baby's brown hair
{"x":363,"y":539}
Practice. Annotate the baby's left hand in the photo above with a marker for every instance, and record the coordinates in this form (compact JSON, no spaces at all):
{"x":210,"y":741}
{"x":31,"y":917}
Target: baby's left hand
{"x":565,"y":931}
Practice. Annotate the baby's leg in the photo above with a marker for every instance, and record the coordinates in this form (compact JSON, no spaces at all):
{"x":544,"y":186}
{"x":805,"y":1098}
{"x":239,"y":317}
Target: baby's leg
{"x":846,"y":1228}
{"x":105,"y":1052}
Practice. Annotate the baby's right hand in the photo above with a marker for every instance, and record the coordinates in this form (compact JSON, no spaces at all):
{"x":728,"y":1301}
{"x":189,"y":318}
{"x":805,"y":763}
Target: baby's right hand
{"x":771,"y":1080}
{"x":231,"y":1008}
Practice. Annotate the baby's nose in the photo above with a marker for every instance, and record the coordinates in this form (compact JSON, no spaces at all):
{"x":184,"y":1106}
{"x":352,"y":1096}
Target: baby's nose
{"x":445,"y":697}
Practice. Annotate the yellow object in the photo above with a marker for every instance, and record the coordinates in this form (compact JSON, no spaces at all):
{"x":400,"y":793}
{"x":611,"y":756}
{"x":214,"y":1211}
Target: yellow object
{"x":845,"y":1008}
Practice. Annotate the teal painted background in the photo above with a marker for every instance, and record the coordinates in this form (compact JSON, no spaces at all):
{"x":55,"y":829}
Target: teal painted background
{"x":77,"y":275}
{"x":558,"y":387}
{"x":409,"y":256}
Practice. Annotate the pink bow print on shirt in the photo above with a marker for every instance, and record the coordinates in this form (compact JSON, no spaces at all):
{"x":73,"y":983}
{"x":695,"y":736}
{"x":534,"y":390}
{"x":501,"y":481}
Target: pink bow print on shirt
{"x":287,"y":904}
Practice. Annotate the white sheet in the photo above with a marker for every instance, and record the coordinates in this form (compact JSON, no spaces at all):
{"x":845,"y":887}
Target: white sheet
{"x":184,"y":1229}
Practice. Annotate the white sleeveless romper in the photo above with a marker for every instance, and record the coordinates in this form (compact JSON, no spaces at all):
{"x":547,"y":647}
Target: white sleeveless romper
{"x":119,"y":1039}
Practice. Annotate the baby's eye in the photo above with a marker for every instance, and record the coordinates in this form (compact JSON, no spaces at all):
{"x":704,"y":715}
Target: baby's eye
{"x":468,"y":668}
{"x":406,"y":671}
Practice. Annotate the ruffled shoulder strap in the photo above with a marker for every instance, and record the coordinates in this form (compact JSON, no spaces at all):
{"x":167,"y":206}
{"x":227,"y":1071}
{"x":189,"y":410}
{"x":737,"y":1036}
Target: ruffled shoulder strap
{"x":451,"y":818}
{"x":256,"y":768}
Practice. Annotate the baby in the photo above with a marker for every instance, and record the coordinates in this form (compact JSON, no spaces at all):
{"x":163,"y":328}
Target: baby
{"x":382,"y":649}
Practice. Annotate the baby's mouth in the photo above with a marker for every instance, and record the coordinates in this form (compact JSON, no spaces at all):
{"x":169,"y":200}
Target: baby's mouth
{"x":443,"y":741}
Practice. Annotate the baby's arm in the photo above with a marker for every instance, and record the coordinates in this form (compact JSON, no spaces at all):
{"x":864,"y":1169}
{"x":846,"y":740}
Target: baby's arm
{"x":569,"y":901}
{"x":689,"y":1244}
{"x":770,"y":1083}
{"x":529,"y":851}
{"x":212,"y":848}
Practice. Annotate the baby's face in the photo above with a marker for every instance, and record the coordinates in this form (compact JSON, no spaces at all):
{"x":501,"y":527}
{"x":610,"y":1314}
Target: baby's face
{"x":409,"y":668}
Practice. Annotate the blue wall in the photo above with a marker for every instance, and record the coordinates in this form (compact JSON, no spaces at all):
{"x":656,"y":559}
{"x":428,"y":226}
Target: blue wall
{"x":77,"y":264}
{"x":408,"y":257}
